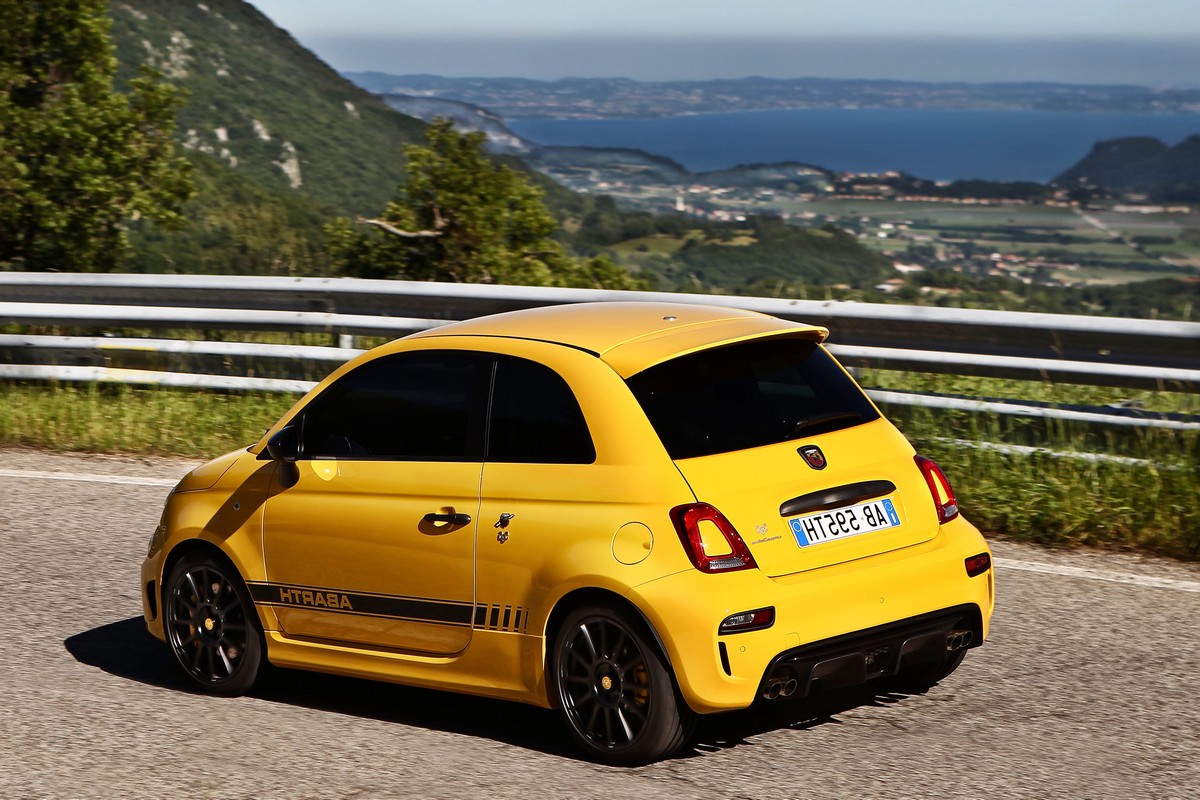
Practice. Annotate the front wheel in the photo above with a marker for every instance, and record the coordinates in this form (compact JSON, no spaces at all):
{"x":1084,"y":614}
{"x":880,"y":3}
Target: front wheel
{"x":211,"y":626}
{"x":614,"y":691}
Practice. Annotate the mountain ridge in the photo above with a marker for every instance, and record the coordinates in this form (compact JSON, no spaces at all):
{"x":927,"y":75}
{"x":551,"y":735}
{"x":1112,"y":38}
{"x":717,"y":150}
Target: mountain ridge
{"x":624,"y":98}
{"x":1141,"y":164}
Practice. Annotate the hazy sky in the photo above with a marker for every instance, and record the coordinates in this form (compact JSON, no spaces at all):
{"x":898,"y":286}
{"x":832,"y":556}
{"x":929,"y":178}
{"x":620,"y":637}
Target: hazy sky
{"x":1126,"y":41}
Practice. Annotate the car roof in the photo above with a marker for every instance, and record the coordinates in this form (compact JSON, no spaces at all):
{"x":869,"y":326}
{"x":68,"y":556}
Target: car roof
{"x":631,"y":336}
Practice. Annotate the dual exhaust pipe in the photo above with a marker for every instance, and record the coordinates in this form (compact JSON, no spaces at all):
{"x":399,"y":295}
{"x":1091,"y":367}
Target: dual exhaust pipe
{"x":957,"y":640}
{"x":781,"y":685}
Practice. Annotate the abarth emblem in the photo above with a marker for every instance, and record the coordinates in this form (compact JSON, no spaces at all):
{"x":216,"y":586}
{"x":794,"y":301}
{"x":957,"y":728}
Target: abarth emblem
{"x":813,"y":456}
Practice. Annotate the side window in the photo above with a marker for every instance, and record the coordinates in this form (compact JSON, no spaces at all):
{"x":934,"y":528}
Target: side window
{"x":535,"y":418}
{"x":426,"y":406}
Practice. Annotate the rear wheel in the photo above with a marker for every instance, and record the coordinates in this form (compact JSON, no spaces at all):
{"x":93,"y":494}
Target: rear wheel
{"x":614,"y":691}
{"x":211,"y":626}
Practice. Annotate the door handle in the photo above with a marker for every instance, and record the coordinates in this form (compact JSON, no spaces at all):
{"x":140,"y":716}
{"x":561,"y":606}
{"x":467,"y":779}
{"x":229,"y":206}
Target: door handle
{"x":453,"y":519}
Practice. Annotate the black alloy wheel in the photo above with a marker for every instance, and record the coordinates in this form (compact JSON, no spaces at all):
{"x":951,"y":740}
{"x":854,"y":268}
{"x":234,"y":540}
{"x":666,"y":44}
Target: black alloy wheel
{"x":212,"y":626}
{"x":616,"y":695}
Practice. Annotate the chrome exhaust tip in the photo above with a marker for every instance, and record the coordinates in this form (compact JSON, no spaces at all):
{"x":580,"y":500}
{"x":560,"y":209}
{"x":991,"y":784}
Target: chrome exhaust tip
{"x":782,"y":683}
{"x":957,"y":640}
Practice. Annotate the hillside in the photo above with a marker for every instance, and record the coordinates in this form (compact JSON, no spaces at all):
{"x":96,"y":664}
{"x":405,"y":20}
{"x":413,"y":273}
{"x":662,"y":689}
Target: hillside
{"x":1140,"y":164}
{"x":263,"y":105}
{"x":783,"y":254}
{"x":586,"y":168}
{"x":466,"y":117}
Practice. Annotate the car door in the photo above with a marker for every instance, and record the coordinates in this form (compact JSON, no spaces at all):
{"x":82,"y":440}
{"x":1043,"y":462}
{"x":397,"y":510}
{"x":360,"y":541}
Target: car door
{"x":373,"y":542}
{"x":539,"y":494}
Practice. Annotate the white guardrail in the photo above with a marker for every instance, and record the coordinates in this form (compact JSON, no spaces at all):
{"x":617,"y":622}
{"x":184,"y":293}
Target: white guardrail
{"x":1107,"y":351}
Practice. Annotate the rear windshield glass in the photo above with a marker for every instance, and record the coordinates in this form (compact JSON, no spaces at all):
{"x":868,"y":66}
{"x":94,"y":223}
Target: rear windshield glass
{"x":748,"y":395}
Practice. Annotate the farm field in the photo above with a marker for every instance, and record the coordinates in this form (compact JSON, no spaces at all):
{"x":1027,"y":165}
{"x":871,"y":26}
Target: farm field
{"x":1070,"y":246}
{"x":1035,"y":244}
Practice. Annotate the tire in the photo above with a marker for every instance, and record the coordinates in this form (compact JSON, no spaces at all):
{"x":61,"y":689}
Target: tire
{"x":614,"y":691}
{"x":212,"y":627}
{"x":922,"y":677}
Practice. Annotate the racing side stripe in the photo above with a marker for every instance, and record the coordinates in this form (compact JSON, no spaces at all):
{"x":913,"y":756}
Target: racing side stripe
{"x":411,"y":609}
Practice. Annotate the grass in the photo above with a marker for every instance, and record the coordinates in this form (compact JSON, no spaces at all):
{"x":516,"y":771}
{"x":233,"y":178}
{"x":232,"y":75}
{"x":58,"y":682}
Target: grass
{"x":1102,"y":276}
{"x":1051,"y":488}
{"x":663,"y":244}
{"x":1143,"y":496}
{"x":937,"y":215}
{"x":123,"y":419}
{"x":657,"y":243}
{"x":1098,"y":250}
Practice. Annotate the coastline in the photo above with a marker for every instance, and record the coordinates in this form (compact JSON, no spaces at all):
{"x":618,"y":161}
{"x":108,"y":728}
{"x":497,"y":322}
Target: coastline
{"x":938,"y":144}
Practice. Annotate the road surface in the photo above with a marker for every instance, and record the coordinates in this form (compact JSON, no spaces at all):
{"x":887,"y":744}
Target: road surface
{"x":1086,"y":689}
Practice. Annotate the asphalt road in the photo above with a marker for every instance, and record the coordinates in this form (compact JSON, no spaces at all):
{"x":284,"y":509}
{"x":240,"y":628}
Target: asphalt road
{"x":1086,"y":689}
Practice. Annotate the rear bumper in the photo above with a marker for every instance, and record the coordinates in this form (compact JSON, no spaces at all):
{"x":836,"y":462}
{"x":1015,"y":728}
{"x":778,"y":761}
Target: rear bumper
{"x":858,"y":657}
{"x":831,"y":624}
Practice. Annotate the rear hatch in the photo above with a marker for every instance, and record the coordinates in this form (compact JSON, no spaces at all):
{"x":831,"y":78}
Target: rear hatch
{"x":869,"y":498}
{"x":775,"y":435}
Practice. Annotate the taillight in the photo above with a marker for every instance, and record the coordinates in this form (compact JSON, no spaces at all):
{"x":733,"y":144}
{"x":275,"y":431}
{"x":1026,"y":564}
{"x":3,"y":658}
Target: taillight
{"x":939,"y":487}
{"x":755,"y":620}
{"x":977,"y":565}
{"x":710,"y":540}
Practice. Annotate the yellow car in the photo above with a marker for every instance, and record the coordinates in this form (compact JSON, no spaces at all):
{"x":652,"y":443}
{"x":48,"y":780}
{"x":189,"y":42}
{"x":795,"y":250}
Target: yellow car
{"x":632,"y":512}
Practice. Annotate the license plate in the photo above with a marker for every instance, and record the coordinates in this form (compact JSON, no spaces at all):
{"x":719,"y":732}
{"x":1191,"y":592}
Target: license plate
{"x":842,"y":523}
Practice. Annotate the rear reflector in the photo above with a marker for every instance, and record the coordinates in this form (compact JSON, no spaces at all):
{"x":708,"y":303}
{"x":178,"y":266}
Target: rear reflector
{"x":748,"y":621}
{"x":977,"y":565}
{"x":732,"y":551}
{"x":939,"y":486}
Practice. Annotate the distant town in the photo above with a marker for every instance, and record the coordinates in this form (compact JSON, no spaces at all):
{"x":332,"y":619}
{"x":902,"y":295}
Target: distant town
{"x":616,"y":98}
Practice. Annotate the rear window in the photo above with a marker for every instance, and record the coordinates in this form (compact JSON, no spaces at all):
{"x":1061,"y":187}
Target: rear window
{"x":748,"y":395}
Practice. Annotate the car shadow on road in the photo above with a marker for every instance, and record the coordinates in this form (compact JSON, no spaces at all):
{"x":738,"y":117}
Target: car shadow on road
{"x":736,"y":728}
{"x":127,"y":650}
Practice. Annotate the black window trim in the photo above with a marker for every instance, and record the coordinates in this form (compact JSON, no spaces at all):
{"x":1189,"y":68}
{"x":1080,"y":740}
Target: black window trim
{"x":493,"y":359}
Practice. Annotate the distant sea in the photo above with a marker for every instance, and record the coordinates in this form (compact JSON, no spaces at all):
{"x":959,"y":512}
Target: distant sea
{"x":938,"y":144}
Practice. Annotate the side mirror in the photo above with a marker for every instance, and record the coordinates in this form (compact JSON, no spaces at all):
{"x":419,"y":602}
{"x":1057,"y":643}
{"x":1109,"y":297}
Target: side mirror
{"x":285,"y":445}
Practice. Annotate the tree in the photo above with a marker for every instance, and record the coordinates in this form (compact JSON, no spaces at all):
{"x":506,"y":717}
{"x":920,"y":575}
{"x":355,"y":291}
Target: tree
{"x":461,"y":217}
{"x":78,"y":158}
